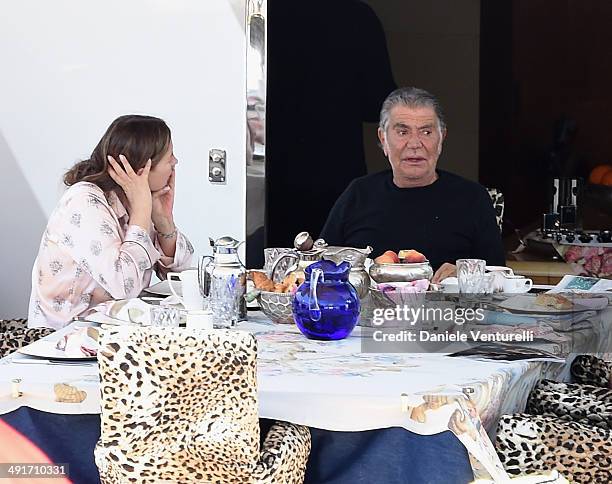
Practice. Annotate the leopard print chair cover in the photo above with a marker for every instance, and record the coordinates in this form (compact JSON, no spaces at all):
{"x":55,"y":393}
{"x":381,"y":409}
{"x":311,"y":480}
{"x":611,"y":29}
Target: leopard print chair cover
{"x":497,"y":198}
{"x":572,"y":402}
{"x":536,"y":443}
{"x":14,"y":334}
{"x":181,"y":406}
{"x":590,"y":370}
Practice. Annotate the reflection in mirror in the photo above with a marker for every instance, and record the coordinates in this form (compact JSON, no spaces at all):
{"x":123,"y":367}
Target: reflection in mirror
{"x":255,"y":133}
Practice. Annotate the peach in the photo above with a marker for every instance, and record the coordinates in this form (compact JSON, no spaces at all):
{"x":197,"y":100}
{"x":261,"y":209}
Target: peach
{"x":389,"y":257}
{"x":411,"y":256}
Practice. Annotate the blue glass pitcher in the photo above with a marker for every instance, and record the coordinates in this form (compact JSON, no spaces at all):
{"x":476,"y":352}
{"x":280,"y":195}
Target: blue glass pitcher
{"x":326,"y":305}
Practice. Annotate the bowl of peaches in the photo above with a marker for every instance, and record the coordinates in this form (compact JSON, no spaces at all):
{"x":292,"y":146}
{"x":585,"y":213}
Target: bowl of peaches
{"x":276,"y":298}
{"x":404,"y":266}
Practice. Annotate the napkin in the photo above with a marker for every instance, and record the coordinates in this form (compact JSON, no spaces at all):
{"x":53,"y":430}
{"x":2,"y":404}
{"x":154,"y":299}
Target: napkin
{"x":405,"y":293}
{"x":130,"y":311}
{"x":80,"y":342}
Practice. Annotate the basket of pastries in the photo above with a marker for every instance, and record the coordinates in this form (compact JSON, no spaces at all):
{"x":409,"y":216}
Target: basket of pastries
{"x":276,"y":298}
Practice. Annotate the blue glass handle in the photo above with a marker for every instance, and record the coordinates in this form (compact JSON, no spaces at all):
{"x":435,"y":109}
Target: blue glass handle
{"x":313,"y":303}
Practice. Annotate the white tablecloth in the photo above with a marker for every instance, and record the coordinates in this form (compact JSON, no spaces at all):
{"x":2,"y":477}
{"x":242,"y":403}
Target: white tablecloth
{"x":332,"y":386}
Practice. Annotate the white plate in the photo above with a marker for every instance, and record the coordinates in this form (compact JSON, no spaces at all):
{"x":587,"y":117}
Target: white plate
{"x":101,"y":318}
{"x":526,"y":304}
{"x":163,"y":288}
{"x":47,"y":349}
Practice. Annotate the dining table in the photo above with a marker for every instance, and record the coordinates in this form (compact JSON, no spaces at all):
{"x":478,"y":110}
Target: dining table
{"x":384,"y":417}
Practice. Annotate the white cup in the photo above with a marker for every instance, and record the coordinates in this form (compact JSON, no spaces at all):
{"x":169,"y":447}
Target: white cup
{"x":199,"y":320}
{"x":505,"y":270}
{"x":517,"y":284}
{"x":450,"y":284}
{"x":192,"y":298}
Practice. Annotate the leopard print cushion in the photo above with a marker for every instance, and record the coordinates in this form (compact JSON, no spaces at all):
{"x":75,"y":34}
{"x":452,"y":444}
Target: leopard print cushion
{"x":592,"y":371}
{"x":536,"y":443}
{"x":585,"y":404}
{"x":15,"y":334}
{"x":181,"y":406}
{"x":13,"y":324}
{"x":285,"y":442}
{"x":497,"y":198}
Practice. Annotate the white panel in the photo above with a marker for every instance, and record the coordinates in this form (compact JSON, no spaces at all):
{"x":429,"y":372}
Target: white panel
{"x":69,"y":67}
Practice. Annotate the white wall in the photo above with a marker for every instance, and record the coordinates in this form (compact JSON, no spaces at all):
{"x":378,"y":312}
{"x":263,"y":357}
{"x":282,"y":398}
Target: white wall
{"x":70,"y":67}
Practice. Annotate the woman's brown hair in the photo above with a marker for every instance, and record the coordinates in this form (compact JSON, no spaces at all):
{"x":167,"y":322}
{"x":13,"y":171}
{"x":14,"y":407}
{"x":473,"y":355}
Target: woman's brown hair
{"x":136,"y":137}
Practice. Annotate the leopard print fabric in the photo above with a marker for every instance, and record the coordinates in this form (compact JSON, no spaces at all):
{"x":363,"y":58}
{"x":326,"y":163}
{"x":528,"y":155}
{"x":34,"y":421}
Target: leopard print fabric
{"x":497,"y":198}
{"x":568,"y":402}
{"x":284,"y":442}
{"x":591,"y":370}
{"x":15,"y":334}
{"x":536,"y":443}
{"x":181,"y":406}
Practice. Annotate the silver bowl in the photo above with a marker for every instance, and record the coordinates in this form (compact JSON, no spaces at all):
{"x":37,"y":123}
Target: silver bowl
{"x":277,"y":306}
{"x":401,"y":272}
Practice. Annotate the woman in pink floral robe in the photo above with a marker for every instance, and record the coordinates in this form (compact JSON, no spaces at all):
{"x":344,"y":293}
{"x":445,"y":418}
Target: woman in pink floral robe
{"x":112,"y":227}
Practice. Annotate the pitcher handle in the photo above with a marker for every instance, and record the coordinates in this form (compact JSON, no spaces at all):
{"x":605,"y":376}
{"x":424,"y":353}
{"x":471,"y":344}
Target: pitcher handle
{"x":203,"y":275}
{"x":313,"y":303}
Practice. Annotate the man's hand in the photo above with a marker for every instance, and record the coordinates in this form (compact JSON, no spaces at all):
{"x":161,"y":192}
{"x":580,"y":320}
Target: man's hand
{"x":445,"y":270}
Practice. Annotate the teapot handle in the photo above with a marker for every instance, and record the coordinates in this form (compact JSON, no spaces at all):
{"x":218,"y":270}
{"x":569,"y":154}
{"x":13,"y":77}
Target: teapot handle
{"x":280,"y":258}
{"x":203,"y":277}
{"x":238,"y":255}
{"x":313,"y":303}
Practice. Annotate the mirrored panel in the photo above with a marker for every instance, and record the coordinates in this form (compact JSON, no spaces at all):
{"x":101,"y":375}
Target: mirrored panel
{"x":255,"y":133}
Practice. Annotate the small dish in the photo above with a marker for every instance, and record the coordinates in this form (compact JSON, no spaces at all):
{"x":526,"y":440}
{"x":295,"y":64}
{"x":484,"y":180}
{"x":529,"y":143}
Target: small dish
{"x":163,"y":288}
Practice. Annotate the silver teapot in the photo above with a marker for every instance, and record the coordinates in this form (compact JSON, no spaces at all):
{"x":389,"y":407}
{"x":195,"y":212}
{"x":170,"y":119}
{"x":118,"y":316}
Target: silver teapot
{"x":358,"y":275}
{"x":222,"y":279}
{"x":304,"y":253}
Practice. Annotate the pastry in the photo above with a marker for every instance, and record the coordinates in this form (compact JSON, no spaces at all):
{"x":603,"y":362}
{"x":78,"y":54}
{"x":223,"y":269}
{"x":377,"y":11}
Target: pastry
{"x":68,"y":394}
{"x":290,"y":281}
{"x":555,"y":301}
{"x":261,"y":281}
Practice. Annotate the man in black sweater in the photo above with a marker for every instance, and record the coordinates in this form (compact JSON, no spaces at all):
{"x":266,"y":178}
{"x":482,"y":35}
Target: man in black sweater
{"x":414,"y":205}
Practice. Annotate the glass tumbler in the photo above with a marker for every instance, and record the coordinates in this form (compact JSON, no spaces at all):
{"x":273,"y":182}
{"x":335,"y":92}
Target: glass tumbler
{"x":470,"y":275}
{"x":165,"y":317}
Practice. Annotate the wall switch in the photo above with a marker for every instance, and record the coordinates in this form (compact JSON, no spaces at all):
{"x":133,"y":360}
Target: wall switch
{"x":216,"y":166}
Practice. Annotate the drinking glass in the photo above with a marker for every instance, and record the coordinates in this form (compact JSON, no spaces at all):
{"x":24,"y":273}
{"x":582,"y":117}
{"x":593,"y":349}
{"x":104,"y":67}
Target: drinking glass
{"x":470,"y":274}
{"x":165,"y":316}
{"x":223,"y":302}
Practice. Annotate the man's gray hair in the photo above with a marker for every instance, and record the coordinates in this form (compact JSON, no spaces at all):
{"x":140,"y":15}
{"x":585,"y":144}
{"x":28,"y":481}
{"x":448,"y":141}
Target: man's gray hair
{"x":412,"y":97}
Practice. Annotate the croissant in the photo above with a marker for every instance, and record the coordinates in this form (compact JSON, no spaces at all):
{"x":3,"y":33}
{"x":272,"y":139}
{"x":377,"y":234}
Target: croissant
{"x":262,"y":281}
{"x":68,"y":394}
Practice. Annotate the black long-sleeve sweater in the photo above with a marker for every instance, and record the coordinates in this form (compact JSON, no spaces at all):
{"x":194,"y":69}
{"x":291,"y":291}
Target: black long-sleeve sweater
{"x":451,"y":219}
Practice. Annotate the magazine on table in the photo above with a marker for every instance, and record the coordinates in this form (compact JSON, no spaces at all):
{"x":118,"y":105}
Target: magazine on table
{"x":581,"y":284}
{"x":508,"y":352}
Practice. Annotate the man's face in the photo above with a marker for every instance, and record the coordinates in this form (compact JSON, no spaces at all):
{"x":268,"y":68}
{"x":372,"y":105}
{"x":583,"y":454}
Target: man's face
{"x":412,"y":142}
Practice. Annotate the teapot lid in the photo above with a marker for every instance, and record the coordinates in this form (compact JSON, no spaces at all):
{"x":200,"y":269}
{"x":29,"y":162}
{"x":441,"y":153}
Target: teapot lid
{"x":303,"y":243}
{"x":226,"y":242}
{"x":330,"y":269}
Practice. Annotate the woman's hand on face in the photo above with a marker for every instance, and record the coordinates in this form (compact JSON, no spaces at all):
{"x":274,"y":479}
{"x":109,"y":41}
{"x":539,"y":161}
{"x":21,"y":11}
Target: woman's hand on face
{"x":136,"y":189}
{"x":445,"y":270}
{"x":163,"y":205}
